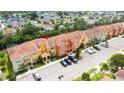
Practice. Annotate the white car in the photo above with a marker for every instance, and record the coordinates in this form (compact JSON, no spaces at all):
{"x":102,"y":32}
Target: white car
{"x":104,"y":45}
{"x":71,"y":54}
{"x":92,"y":49}
{"x":89,"y":51}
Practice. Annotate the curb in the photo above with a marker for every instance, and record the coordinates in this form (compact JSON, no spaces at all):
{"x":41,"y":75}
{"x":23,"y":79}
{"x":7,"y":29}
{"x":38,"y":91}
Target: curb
{"x":40,"y":68}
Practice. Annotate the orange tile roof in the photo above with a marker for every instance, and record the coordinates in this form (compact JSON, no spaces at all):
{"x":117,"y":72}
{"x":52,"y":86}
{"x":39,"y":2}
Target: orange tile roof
{"x":120,"y":73}
{"x":105,"y":79}
{"x":26,"y":48}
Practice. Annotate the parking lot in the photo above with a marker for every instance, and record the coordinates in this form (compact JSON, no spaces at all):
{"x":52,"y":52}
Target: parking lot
{"x":52,"y":72}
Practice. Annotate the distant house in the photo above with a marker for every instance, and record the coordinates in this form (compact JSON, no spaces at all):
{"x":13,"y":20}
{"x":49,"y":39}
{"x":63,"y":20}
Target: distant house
{"x":105,"y":79}
{"x":2,"y":26}
{"x":120,"y":74}
{"x":9,"y":31}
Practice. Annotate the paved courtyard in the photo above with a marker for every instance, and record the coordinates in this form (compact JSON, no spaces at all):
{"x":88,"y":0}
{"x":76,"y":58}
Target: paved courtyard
{"x":51,"y":73}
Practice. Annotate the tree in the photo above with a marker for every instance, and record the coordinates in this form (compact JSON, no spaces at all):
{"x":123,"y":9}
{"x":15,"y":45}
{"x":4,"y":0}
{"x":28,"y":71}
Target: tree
{"x":5,"y":14}
{"x":80,"y":24}
{"x":9,"y":26}
{"x":102,"y":22}
{"x":116,"y":61}
{"x":29,"y":29}
{"x":104,"y":67}
{"x":121,"y":19}
{"x":60,"y":13}
{"x":85,"y":77}
{"x":65,"y":13}
{"x":113,"y":69}
{"x":115,"y":20}
{"x":1,"y":35}
{"x":33,"y":15}
{"x":62,"y":28}
{"x":77,"y":53}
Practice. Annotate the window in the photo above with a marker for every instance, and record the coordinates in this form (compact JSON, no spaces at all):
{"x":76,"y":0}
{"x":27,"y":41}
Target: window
{"x":18,"y":61}
{"x":26,"y":60}
{"x":34,"y":60}
{"x":68,"y":51}
{"x":44,"y":58}
{"x":48,"y":57}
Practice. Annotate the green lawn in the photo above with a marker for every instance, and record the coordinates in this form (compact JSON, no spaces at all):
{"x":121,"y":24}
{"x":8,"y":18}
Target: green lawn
{"x":7,"y":66}
{"x":91,"y":71}
{"x":54,"y":58}
{"x":78,"y":79}
{"x":38,"y":65}
{"x":98,"y":76}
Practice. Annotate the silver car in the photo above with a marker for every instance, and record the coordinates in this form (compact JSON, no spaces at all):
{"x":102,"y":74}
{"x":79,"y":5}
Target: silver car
{"x":89,"y":51}
{"x":36,"y":76}
{"x":92,"y":49}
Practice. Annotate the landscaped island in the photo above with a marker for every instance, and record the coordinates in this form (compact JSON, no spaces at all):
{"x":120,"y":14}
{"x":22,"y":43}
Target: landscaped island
{"x":110,"y":69}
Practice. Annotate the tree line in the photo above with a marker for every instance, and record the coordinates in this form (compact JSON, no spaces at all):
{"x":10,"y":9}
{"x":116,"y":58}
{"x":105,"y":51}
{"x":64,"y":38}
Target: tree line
{"x":30,"y":32}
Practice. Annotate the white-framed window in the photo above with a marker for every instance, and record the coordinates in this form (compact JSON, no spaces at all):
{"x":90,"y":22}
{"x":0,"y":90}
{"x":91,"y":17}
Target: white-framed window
{"x":34,"y":60}
{"x":18,"y":61}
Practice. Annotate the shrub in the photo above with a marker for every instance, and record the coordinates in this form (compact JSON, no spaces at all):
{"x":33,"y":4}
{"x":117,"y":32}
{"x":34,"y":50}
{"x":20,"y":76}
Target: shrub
{"x":85,"y":77}
{"x":104,"y":67}
{"x":116,"y":61}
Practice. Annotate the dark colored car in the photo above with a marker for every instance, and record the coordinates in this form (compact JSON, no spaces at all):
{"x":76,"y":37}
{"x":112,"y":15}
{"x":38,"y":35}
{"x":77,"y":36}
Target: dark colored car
{"x":36,"y":76}
{"x":69,"y":62}
{"x":73,"y":59}
{"x":97,"y":48}
{"x":63,"y":63}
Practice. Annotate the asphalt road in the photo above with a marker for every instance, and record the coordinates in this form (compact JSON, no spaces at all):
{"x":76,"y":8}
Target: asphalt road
{"x":51,"y":73}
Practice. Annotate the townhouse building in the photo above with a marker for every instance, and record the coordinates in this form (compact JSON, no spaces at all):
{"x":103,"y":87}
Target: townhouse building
{"x":59,"y":45}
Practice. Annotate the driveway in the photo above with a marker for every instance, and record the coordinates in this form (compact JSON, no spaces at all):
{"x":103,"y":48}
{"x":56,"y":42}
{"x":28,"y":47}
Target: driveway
{"x":52,"y":72}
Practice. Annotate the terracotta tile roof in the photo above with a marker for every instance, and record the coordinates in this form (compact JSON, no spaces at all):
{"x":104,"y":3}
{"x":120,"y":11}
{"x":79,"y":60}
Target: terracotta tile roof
{"x":105,"y":79}
{"x":51,"y":42}
{"x":39,"y":41}
{"x":63,"y":37}
{"x":22,"y":50}
{"x":26,"y":48}
{"x":120,"y":73}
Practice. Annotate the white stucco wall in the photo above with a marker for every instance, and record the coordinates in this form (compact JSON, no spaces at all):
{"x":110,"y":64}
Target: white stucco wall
{"x":16,"y":65}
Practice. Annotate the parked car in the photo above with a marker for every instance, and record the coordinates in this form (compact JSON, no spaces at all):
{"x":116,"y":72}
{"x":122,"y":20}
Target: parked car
{"x":63,"y":63}
{"x":69,"y":62}
{"x":92,"y":49}
{"x":73,"y":59}
{"x":89,"y":51}
{"x":36,"y":76}
{"x":71,"y":54}
{"x":104,"y":44}
{"x":97,"y":47}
